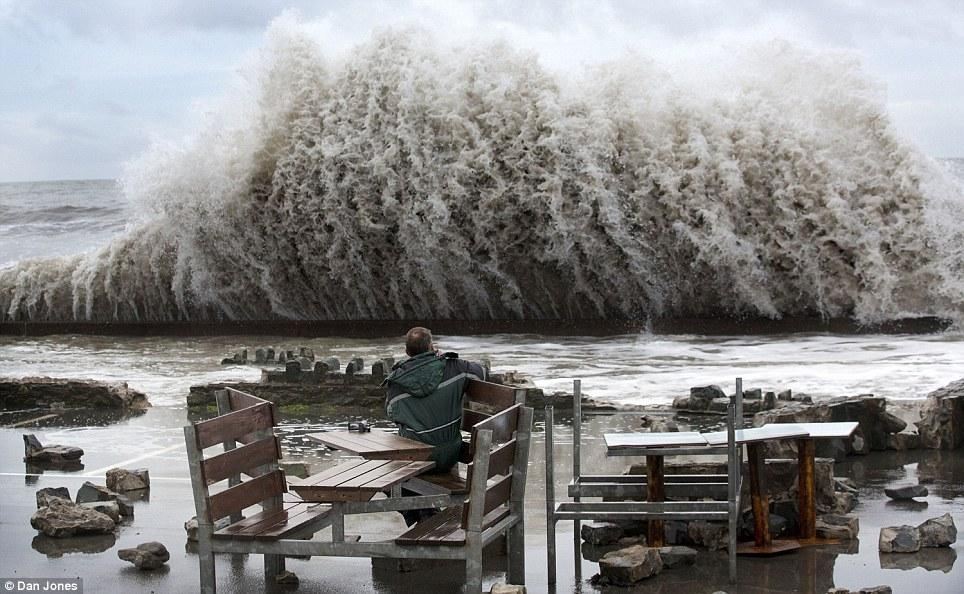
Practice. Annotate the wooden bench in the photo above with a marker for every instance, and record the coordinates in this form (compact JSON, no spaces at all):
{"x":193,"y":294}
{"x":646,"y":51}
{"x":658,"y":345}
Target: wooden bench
{"x":481,"y":400}
{"x":249,"y":421}
{"x":496,"y":479}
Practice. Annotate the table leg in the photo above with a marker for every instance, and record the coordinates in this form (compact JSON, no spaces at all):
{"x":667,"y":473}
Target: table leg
{"x":805,"y":488}
{"x":655,"y":491}
{"x":337,"y":522}
{"x":759,"y":495}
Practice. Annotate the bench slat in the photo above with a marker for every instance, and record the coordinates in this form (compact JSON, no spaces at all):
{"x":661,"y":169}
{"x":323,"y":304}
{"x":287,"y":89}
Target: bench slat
{"x":234,"y":425}
{"x":232,"y":462}
{"x":276,"y":524}
{"x":239,"y":400}
{"x":238,"y":497}
{"x":494,"y":397}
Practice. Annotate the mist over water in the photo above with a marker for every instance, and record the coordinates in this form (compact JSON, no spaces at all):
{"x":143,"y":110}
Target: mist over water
{"x":409,"y":181}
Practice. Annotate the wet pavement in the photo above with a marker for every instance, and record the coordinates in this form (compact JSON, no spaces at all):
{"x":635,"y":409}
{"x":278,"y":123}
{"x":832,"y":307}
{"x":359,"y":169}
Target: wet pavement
{"x":155,"y":440}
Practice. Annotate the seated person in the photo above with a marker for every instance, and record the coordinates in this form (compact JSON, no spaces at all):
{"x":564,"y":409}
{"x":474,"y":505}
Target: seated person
{"x":424,"y":398}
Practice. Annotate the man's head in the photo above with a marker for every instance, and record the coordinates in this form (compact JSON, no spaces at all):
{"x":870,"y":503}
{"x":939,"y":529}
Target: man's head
{"x":418,"y":341}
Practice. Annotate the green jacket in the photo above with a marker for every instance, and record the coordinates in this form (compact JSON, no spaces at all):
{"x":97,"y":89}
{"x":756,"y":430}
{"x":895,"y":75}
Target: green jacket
{"x":424,"y":397}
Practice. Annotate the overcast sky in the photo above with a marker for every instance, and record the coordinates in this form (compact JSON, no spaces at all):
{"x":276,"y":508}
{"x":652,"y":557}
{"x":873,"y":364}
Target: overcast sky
{"x":87,"y":85}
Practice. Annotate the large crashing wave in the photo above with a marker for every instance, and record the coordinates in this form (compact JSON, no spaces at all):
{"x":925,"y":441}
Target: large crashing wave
{"x":412,"y":182}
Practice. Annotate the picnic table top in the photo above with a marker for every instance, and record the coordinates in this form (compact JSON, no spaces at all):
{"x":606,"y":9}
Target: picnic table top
{"x":619,"y":441}
{"x":825,"y":430}
{"x":755,"y":434}
{"x":374,"y":445}
{"x":357,"y":480}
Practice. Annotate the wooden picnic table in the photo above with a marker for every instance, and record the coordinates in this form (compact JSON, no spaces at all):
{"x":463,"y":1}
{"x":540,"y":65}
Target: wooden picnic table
{"x":374,"y":445}
{"x":388,"y":460}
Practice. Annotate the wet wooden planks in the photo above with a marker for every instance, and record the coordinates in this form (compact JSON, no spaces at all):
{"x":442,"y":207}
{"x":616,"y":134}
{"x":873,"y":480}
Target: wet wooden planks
{"x":374,"y":445}
{"x":358,"y":480}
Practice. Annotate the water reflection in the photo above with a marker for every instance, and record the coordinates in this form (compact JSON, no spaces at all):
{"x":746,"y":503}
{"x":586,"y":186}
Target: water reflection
{"x":936,"y":559}
{"x":58,"y":547}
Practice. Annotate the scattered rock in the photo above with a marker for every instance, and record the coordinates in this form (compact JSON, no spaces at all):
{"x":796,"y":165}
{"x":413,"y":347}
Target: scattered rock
{"x":507,"y":589}
{"x":35,"y":452}
{"x":108,"y":508}
{"x":61,"y":518}
{"x":90,"y":492}
{"x":677,"y":556}
{"x":147,"y":556}
{"x":903,"y":441}
{"x":938,"y":532}
{"x":43,"y":495}
{"x":843,"y":503}
{"x":191,"y":527}
{"x":711,"y":535}
{"x":942,"y":418}
{"x":32,"y":392}
{"x":899,"y":539}
{"x":120,"y":479}
{"x":378,"y":370}
{"x":908,"y":492}
{"x":628,"y":566}
{"x":286,"y":578}
{"x":875,"y":590}
{"x":601,"y":533}
{"x":838,"y":526}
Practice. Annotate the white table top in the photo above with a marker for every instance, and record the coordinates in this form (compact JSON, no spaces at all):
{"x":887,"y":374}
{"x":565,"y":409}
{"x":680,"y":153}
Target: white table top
{"x":765,"y":433}
{"x":673,"y":439}
{"x":823,"y":430}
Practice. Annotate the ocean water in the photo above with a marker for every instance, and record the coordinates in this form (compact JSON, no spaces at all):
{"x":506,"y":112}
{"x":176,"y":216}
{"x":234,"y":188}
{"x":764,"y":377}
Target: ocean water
{"x":409,"y":181}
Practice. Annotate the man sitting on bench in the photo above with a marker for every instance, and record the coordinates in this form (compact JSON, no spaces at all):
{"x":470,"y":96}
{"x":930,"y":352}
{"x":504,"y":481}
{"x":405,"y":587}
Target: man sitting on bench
{"x":424,"y":398}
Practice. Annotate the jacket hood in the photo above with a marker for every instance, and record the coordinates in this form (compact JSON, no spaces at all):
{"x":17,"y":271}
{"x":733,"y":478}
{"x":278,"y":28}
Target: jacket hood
{"x":419,"y":375}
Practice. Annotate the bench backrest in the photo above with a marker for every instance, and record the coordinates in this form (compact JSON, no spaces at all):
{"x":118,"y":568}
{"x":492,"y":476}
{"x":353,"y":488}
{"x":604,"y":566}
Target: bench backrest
{"x":496,"y":477}
{"x":483,"y":400}
{"x":242,"y":419}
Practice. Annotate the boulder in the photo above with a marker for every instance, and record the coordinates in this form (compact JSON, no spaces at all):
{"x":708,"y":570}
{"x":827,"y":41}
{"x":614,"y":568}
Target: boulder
{"x":286,"y":578}
{"x":90,"y":492}
{"x":191,"y":527}
{"x":43,"y":392}
{"x":43,"y":495}
{"x":677,"y":556}
{"x":61,"y":518}
{"x":711,"y":535}
{"x":908,"y":492}
{"x":359,"y":364}
{"x":601,"y":533}
{"x":292,"y":371}
{"x":146,"y":556}
{"x":120,"y":479}
{"x":260,"y":356}
{"x":899,"y":539}
{"x":108,"y":508}
{"x":842,"y":527}
{"x":378,"y":370}
{"x":843,"y":503}
{"x":938,"y":532}
{"x":334,"y":365}
{"x":627,"y":566}
{"x":902,"y":442}
{"x":36,"y":452}
{"x":942,"y":418}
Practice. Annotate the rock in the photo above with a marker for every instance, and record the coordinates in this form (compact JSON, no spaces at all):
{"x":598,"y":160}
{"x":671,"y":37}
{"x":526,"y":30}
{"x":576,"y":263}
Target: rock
{"x":843,"y":503}
{"x":62,"y":518}
{"x":147,"y":556}
{"x":191,"y":527}
{"x":260,"y":356}
{"x":334,"y":365}
{"x":942,"y":418}
{"x":899,"y":539}
{"x":753,"y":394}
{"x":293,"y":371}
{"x":677,"y":556}
{"x":269,"y":356}
{"x":903,"y":441}
{"x":359,"y":364}
{"x":908,"y":492}
{"x":124,"y":506}
{"x":32,"y":392}
{"x":507,"y":589}
{"x":838,"y":591}
{"x":108,"y":508}
{"x":43,"y":495}
{"x":892,"y":423}
{"x":938,"y":532}
{"x":286,"y":578}
{"x":378,"y":370}
{"x":675,"y":532}
{"x":713,"y":536}
{"x":663,"y":426}
{"x":842,"y":527}
{"x":305,"y":363}
{"x":875,"y":590}
{"x":34,"y":451}
{"x":700,"y":398}
{"x":601,"y":533}
{"x":859,"y":444}
{"x":845,"y":485}
{"x":785,"y":395}
{"x":628,"y":566}
{"x":90,"y":492}
{"x":120,"y":479}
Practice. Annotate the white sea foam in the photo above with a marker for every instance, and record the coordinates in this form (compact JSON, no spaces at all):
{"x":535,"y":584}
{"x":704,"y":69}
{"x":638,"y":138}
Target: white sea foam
{"x":409,"y":181}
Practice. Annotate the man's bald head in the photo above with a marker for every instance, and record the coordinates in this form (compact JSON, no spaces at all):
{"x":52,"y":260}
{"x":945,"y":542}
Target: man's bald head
{"x":418,"y":341}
